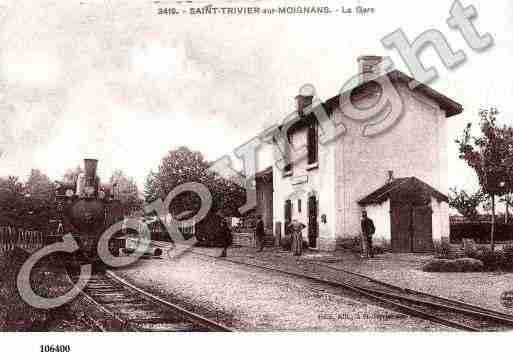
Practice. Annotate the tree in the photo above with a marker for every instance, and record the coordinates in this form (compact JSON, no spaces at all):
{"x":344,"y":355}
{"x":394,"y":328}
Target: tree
{"x":151,"y":187}
{"x":182,"y":166}
{"x":71,"y":174}
{"x":489,"y":155}
{"x":39,"y":186}
{"x":29,"y":205}
{"x":508,"y":202}
{"x":11,"y":199}
{"x":40,"y":197}
{"x":125,"y":189}
{"x":466,"y":204}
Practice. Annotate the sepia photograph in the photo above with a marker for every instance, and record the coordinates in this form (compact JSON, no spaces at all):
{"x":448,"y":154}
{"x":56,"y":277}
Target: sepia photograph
{"x":292,"y":172}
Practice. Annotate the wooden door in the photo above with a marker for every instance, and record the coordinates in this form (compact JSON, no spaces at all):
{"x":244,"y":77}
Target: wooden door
{"x":269,"y":211}
{"x":400,"y":220}
{"x":312,"y":222}
{"x":411,"y":227}
{"x":422,"y":229}
{"x":287,"y":215}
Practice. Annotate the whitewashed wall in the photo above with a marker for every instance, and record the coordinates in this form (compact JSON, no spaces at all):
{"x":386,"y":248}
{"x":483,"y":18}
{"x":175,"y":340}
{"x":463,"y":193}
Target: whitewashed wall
{"x":380,"y":215}
{"x":353,"y":166}
{"x":320,"y":181}
{"x":413,"y":146}
{"x":440,"y":221}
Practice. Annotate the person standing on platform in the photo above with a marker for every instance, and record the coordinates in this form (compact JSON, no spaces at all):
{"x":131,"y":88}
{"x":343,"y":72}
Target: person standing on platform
{"x":368,"y":230}
{"x":226,"y":235}
{"x":60,"y":227}
{"x":296,"y":229}
{"x":259,"y":233}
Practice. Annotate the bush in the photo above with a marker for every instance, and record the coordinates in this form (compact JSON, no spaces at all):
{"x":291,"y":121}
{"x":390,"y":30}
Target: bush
{"x":286,"y":242}
{"x":453,"y":265}
{"x":480,"y":231}
{"x":444,"y":251}
{"x":469,"y":247}
{"x":491,"y":260}
{"x":468,"y":265}
{"x":378,"y":250}
{"x":507,"y":257}
{"x":501,"y":259}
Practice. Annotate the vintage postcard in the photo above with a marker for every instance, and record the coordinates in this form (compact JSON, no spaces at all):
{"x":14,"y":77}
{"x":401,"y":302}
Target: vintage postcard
{"x":252,"y":166}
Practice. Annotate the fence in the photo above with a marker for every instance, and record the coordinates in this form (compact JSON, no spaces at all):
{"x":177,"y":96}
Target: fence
{"x":480,"y":232}
{"x":11,"y":237}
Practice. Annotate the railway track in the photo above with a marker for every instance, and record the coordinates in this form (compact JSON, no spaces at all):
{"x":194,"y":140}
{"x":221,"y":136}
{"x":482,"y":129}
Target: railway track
{"x":451,"y":313}
{"x":120,"y":306}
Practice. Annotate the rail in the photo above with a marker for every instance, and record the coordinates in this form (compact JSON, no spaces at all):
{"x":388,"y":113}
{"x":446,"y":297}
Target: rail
{"x":12,"y":237}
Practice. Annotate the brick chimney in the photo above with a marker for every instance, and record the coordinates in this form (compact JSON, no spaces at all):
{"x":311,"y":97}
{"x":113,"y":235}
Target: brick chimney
{"x":303,"y":101}
{"x":369,"y":67}
{"x":390,"y":176}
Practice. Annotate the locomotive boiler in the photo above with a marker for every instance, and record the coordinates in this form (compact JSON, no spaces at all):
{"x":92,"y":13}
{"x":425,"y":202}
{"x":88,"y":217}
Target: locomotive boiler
{"x":87,"y":210}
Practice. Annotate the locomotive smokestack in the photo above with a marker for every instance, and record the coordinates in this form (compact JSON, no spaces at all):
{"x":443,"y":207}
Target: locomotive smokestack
{"x":90,"y":166}
{"x":87,"y":182}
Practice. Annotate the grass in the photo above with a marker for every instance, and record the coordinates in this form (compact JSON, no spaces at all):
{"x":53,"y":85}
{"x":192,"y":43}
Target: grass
{"x":47,"y":280}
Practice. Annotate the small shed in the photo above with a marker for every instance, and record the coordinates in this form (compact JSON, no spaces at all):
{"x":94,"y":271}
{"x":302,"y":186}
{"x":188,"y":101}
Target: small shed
{"x":409,"y":215}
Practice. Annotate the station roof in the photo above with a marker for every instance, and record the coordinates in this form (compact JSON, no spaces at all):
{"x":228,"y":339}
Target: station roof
{"x":450,"y":106}
{"x":364,"y":89}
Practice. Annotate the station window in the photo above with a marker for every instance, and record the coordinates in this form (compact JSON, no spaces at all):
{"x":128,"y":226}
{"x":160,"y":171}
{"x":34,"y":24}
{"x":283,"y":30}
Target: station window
{"x":287,"y":170}
{"x":287,"y":215}
{"x":313,"y":144}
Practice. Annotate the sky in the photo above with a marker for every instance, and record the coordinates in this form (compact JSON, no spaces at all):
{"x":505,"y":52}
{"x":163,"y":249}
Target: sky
{"x":116,"y":81}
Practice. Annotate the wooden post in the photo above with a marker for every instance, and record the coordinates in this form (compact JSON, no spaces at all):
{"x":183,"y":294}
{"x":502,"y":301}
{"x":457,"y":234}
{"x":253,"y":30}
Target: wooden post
{"x":277,"y":231}
{"x":506,"y":217}
{"x":492,"y":234}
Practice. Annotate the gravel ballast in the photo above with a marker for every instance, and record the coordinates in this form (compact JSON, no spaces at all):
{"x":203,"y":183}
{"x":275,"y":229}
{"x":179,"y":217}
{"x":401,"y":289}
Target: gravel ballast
{"x":246,"y":298}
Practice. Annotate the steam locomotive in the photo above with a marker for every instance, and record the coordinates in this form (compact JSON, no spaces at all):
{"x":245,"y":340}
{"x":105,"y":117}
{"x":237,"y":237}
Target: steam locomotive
{"x":86,"y":210}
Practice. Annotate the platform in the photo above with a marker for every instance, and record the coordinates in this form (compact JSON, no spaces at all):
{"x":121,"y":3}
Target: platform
{"x":248,"y":298}
{"x":400,"y":269}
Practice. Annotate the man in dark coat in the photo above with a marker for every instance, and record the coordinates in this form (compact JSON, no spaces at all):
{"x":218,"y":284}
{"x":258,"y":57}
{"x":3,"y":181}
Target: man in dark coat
{"x":259,"y":233}
{"x":368,"y":230}
{"x":226,"y":234}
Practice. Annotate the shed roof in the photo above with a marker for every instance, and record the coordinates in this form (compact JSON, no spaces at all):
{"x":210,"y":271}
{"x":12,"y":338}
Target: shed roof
{"x":364,"y":89}
{"x":398,"y":185}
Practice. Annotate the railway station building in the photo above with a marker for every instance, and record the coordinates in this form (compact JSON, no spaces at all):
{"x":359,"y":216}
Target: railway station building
{"x":396,"y":169}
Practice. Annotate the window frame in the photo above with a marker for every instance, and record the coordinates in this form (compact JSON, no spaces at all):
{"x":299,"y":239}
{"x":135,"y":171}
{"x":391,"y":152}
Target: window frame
{"x":312,"y":139}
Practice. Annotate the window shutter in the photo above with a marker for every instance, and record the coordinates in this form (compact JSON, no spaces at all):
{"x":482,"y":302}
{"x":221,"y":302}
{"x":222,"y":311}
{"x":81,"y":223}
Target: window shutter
{"x":288,"y":210}
{"x":313,"y":147}
{"x":288,"y":215}
{"x":288,"y":166}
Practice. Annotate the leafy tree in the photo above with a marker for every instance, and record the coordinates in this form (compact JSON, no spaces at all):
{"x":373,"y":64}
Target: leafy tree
{"x":125,"y":189}
{"x":489,"y":155}
{"x":508,"y":202}
{"x":39,"y":186}
{"x":28,"y":205}
{"x":151,"y":187}
{"x":466,"y":204}
{"x":40,"y":197}
{"x":182,"y":166}
{"x":11,"y":198}
{"x":71,"y":174}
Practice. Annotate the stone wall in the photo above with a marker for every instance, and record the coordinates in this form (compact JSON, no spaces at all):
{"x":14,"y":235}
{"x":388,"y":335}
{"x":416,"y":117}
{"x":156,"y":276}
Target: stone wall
{"x":307,"y":180}
{"x":414,"y":145}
